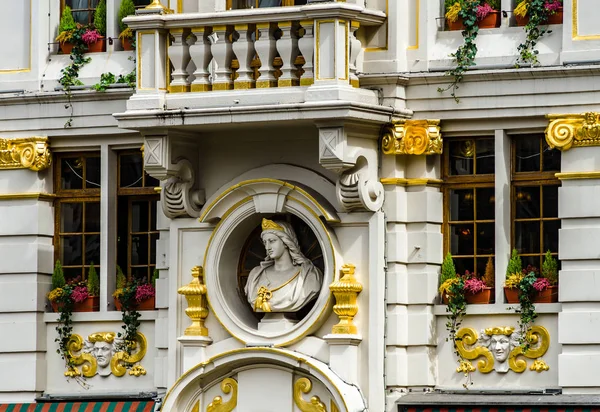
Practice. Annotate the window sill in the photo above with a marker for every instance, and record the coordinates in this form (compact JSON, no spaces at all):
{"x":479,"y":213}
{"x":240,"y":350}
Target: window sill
{"x":52,"y":317}
{"x":500,"y":309}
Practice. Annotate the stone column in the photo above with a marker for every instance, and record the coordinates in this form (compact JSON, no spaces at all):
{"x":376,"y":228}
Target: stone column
{"x":578,"y":136}
{"x":26,"y":253}
{"x":413,"y":207}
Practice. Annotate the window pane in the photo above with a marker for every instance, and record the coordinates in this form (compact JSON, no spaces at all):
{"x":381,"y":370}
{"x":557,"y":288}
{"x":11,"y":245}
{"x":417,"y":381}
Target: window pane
{"x":153,"y":215}
{"x":461,"y":157}
{"x":481,"y":264}
{"x":269,"y":3}
{"x":531,"y":263}
{"x":71,"y":173}
{"x":139,"y":216}
{"x":485,"y":238}
{"x":92,"y":217}
{"x":527,"y":200}
{"x":150,"y":181}
{"x":92,"y":170}
{"x":550,"y":201}
{"x":461,"y":239}
{"x":141,"y":2}
{"x":71,"y":217}
{"x":527,"y":152}
{"x":131,"y":169}
{"x":551,"y":235}
{"x":72,"y":274}
{"x":461,"y":205}
{"x":551,"y":158}
{"x":463,"y":264}
{"x":139,"y":250}
{"x":485,"y":156}
{"x":485,"y":203}
{"x":71,"y":250}
{"x":140,"y":275}
{"x":92,"y":249}
{"x":527,"y":237}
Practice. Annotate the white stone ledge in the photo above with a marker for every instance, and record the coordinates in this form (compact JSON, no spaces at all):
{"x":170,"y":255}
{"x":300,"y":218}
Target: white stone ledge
{"x":499,"y":309}
{"x":147,"y":315}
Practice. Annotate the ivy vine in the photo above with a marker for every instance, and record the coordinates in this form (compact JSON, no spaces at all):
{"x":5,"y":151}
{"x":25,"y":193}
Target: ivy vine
{"x":457,"y":309}
{"x":535,"y":29}
{"x":526,"y":309}
{"x":130,"y":317}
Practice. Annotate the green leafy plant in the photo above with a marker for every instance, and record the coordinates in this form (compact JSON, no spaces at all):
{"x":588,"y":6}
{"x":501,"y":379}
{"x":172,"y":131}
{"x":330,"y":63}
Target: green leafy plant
{"x":100,"y":17}
{"x":58,"y":277}
{"x":66,"y":26}
{"x":538,"y":12}
{"x":514,"y":264}
{"x":93,"y":282}
{"x":155,"y":275}
{"x":127,"y":8}
{"x":550,"y":268}
{"x":106,"y":79}
{"x":489,"y":275}
{"x":448,"y":269}
{"x":526,"y":309}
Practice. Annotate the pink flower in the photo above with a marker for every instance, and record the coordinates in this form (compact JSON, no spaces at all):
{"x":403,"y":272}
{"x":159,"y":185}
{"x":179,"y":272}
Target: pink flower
{"x":79,"y":294}
{"x":541,"y":284}
{"x":144,"y":292}
{"x":90,"y":36}
{"x":483,"y":10}
{"x":474,"y":285}
{"x":552,"y":6}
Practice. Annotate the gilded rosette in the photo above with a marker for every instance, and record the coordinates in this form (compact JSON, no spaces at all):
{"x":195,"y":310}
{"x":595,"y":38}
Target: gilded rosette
{"x":567,"y":130}
{"x":412,"y":137}
{"x":197,"y":310}
{"x":25,"y":153}
{"x":346,"y":292}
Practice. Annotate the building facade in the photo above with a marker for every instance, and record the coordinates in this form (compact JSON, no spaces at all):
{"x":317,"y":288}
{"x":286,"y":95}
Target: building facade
{"x":288,"y":178}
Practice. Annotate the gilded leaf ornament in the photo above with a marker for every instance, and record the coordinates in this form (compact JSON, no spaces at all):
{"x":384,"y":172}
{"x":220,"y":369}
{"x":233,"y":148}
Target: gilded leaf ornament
{"x":573,"y":130}
{"x":304,"y":386}
{"x":25,"y":153}
{"x":412,"y":137}
{"x":229,"y":385}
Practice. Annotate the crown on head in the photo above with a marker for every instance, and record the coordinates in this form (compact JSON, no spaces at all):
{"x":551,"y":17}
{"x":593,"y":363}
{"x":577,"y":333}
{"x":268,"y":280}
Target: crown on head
{"x":270,"y":225}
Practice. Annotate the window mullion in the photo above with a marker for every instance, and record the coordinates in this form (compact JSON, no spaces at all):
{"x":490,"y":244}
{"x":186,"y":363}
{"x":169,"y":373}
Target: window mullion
{"x":503,"y":202}
{"x":108,"y":227}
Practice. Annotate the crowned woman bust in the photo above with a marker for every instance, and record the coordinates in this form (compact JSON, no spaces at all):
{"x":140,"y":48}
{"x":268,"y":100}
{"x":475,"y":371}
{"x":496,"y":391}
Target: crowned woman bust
{"x":286,"y":280}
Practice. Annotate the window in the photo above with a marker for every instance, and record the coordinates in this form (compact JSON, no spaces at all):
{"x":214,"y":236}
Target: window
{"x":141,"y":3}
{"x":136,"y":218}
{"x":534,"y":199}
{"x":77,"y":214}
{"x":469,"y":203}
{"x":82,"y":10}
{"x":251,"y":4}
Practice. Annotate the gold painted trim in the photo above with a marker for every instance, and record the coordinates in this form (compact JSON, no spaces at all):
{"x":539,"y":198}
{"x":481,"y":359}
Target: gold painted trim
{"x":181,"y":88}
{"x":387,"y":31}
{"x":575,"y":27}
{"x":577,"y":175}
{"x":28,"y":69}
{"x":250,"y":350}
{"x":567,"y":130}
{"x":417,"y":12}
{"x":25,"y":153}
{"x":46,"y":197}
{"x":304,"y":386}
{"x":412,"y":137}
{"x":157,"y":5}
{"x":228,"y":385}
{"x":179,"y":6}
{"x":402,"y":181}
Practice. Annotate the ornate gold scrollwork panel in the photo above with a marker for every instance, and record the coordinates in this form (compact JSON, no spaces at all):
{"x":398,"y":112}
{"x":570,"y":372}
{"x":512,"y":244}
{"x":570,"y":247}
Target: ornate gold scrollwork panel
{"x":229,"y":385}
{"x":304,"y":386}
{"x":412,"y":137}
{"x":567,"y":130}
{"x":25,"y":153}
{"x":499,"y":349}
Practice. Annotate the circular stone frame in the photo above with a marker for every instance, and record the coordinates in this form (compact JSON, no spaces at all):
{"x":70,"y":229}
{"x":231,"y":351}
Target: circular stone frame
{"x":224,"y":248}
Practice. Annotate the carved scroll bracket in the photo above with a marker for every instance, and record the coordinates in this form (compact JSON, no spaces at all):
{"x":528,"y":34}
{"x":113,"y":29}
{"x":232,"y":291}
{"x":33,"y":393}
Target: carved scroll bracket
{"x":352,"y":154}
{"x":412,"y":137}
{"x":567,"y":130}
{"x":25,"y":153}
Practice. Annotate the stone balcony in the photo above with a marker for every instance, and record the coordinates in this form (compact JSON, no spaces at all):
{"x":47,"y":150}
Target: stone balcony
{"x":203,"y":65}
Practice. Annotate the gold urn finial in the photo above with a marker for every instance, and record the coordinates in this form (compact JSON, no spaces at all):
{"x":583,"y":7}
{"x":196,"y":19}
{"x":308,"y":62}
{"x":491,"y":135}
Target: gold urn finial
{"x":346,"y":292}
{"x":157,"y":5}
{"x":197,"y":310}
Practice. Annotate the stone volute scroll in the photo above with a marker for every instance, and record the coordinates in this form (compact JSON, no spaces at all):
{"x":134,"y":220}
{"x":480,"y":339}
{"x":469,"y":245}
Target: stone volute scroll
{"x":25,"y":153}
{"x":286,"y":280}
{"x":573,"y":130}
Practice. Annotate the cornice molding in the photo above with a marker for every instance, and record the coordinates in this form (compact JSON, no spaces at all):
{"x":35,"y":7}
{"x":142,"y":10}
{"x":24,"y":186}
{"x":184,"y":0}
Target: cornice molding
{"x":412,"y":137}
{"x":567,"y":130}
{"x":25,"y":153}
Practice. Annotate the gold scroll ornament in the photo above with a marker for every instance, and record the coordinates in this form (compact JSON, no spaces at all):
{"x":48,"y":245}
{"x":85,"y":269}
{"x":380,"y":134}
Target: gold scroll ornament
{"x":304,"y":386}
{"x":538,"y":337}
{"x":346,"y":292}
{"x":197,"y":310}
{"x":412,"y":137}
{"x":567,"y":130}
{"x":25,"y":153}
{"x":229,"y":385}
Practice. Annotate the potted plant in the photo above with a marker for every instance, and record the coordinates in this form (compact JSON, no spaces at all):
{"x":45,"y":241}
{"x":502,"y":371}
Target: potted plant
{"x":133,"y":295}
{"x":546,"y":286}
{"x":94,"y":36}
{"x":66,"y":28}
{"x":534,"y":15}
{"x":477,"y":290}
{"x":448,"y":278}
{"x":485,"y":12}
{"x":126,"y":35}
{"x":92,"y":303}
{"x":514,"y":275}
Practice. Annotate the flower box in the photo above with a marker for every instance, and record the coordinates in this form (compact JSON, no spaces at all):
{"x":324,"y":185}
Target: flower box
{"x":556,"y":18}
{"x":490,"y":21}
{"x":511,"y":294}
{"x":91,"y":304}
{"x":97,"y":46}
{"x":147,"y":304}
{"x":483,"y":297}
{"x":66,"y":47}
{"x":127,"y":44}
{"x":548,"y":295}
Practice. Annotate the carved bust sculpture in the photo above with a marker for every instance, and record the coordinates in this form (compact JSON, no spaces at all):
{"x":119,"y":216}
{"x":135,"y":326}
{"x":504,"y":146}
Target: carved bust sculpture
{"x":286,"y":280}
{"x":500,"y":341}
{"x":102,"y":347}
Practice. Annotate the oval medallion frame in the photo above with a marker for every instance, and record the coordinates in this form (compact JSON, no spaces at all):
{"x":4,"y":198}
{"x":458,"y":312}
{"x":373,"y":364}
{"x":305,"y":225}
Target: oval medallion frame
{"x":241,"y":209}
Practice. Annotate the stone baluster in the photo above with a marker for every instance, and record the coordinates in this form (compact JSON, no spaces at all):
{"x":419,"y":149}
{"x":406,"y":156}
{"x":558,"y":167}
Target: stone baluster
{"x":243,"y":48}
{"x":355,"y":49}
{"x":287,"y":46}
{"x":179,"y":54}
{"x":266,"y":51}
{"x":201,"y":55}
{"x":307,"y":47}
{"x":222,"y":53}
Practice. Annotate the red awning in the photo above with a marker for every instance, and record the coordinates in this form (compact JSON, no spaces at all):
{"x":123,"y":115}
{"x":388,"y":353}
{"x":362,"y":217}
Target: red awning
{"x":141,"y":406}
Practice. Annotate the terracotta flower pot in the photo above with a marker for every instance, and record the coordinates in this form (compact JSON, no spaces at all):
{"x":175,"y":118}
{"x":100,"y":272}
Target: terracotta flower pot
{"x":556,"y":18}
{"x":127,"y":44}
{"x":148,"y":304}
{"x":66,"y":47}
{"x":548,"y":295}
{"x":511,"y":294}
{"x":455,"y":25}
{"x":483,"y":297}
{"x":488,"y":22}
{"x":98,"y":46}
{"x":91,"y":304}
